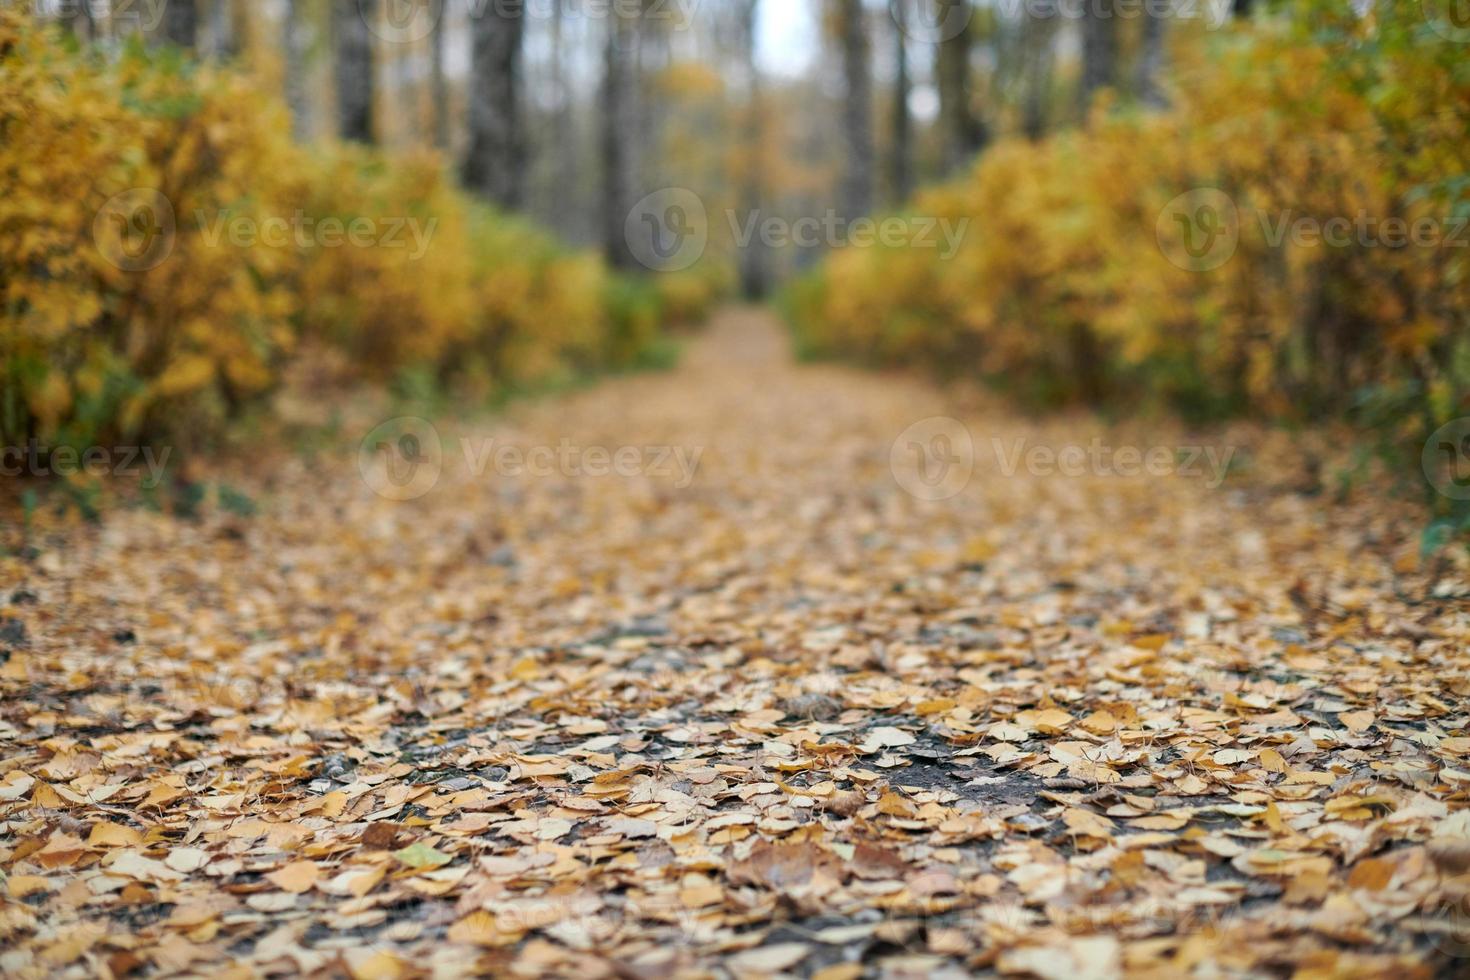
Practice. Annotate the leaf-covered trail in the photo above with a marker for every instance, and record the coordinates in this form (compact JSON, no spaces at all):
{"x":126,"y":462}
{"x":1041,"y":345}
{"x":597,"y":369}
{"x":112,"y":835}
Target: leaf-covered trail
{"x":754,"y":708}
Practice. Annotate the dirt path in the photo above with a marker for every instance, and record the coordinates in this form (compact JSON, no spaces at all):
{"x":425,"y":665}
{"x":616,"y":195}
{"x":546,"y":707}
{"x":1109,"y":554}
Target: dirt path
{"x":748,"y":703}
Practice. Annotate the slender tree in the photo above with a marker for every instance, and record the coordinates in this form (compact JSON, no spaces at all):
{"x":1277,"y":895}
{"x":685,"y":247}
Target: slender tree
{"x":754,"y":272}
{"x":654,"y":55}
{"x":619,"y":118}
{"x":294,"y":44}
{"x":181,"y":23}
{"x":1039,"y":55}
{"x":563,"y":169}
{"x":963,"y":133}
{"x":495,"y":165}
{"x":76,"y":19}
{"x":1241,"y":8}
{"x":1150,"y":64}
{"x":1099,"y":51}
{"x":901,"y":152}
{"x":857,"y":111}
{"x":354,"y":68}
{"x":224,"y":29}
{"x":438,"y":77}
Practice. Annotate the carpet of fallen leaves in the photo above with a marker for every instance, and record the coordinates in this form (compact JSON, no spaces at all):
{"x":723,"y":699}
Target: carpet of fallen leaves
{"x":787,"y":719}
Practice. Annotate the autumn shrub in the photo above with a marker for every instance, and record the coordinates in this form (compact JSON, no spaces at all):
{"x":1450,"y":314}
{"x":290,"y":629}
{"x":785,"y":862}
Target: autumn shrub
{"x":689,"y":296}
{"x":117,"y":313}
{"x":1174,"y":258}
{"x":165,"y":249}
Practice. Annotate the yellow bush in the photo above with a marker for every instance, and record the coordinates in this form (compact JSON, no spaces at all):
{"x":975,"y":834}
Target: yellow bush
{"x":164,"y":248}
{"x":1074,"y":283}
{"x":690,"y":295}
{"x":118,"y":313}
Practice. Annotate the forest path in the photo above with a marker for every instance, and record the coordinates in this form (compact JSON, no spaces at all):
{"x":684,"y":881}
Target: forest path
{"x":750,"y":704}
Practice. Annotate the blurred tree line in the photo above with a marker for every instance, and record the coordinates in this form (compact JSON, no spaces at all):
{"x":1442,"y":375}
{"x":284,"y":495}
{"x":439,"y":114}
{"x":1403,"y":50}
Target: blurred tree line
{"x":571,"y":111}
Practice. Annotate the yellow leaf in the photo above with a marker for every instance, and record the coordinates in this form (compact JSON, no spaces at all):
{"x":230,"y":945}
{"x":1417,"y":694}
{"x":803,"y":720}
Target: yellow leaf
{"x":107,"y":834}
{"x":296,"y":877}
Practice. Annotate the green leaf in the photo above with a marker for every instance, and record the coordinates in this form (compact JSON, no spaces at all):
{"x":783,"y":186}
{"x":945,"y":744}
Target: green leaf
{"x":421,"y":855}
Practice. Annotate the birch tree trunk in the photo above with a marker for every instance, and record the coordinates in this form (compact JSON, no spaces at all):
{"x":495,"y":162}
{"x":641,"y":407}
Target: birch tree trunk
{"x":1039,"y":38}
{"x":294,"y":38}
{"x":1150,"y":64}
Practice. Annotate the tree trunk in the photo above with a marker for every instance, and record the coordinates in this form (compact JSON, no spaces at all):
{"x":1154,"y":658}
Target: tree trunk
{"x":354,"y":69}
{"x":1039,"y":55}
{"x":619,"y":117}
{"x":1150,"y":65}
{"x":901,"y":153}
{"x":181,"y":23}
{"x":438,"y":78}
{"x":495,"y":165}
{"x":1099,"y":51}
{"x":1241,"y":8}
{"x":753,"y":269}
{"x":562,"y":209}
{"x":857,"y":112}
{"x":224,"y":39}
{"x":77,"y":20}
{"x":963,"y":134}
{"x":293,"y":42}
